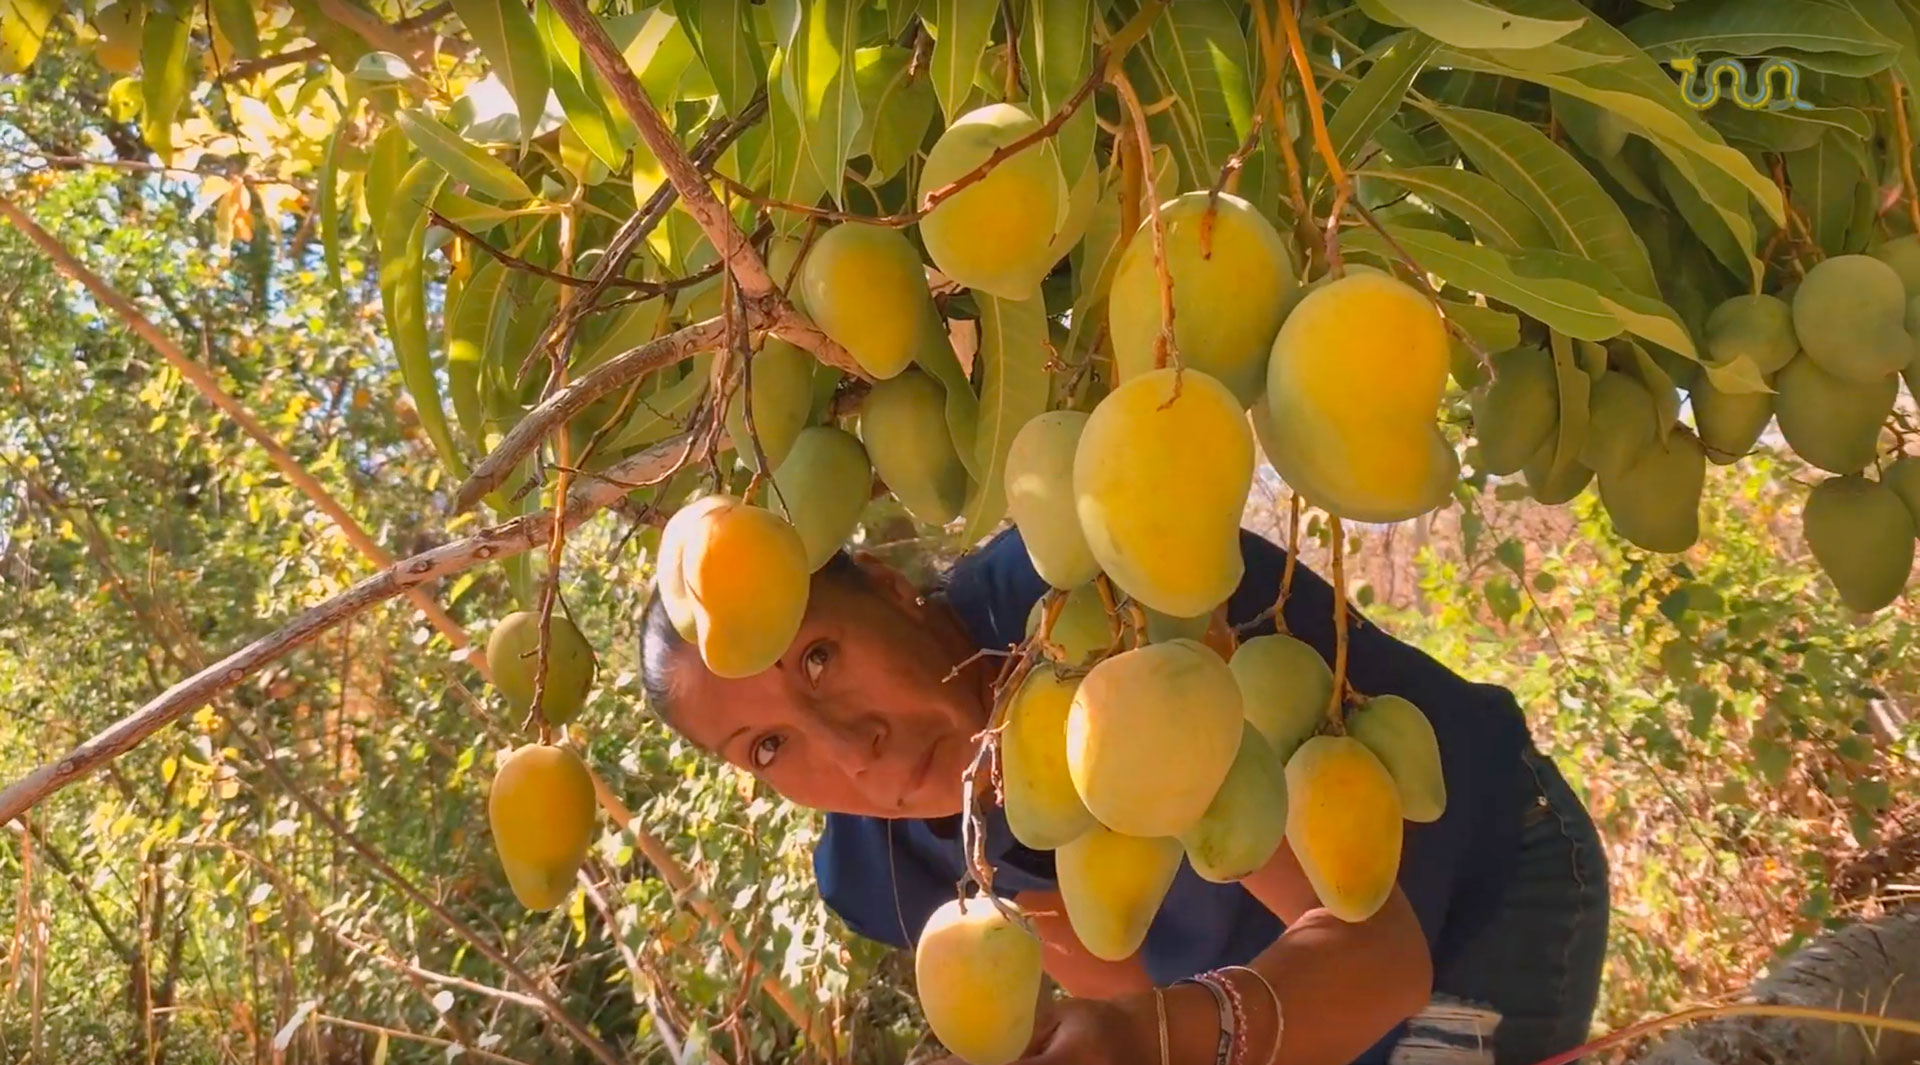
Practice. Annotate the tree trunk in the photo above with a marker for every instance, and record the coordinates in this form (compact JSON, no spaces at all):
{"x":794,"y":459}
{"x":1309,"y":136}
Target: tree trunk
{"x":1869,"y":967}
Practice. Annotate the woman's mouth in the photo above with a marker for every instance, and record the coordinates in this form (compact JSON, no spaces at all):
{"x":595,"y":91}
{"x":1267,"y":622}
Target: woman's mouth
{"x":922,"y":771}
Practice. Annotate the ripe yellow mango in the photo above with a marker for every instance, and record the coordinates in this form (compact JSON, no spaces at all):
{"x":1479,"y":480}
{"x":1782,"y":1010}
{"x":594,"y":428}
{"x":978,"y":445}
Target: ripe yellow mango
{"x":1830,"y":422}
{"x":1517,"y":412}
{"x":1285,"y":689}
{"x":1083,"y":628}
{"x":513,"y":658}
{"x":1850,"y":313}
{"x":1245,"y":821}
{"x":1151,"y":734}
{"x":1655,"y":503}
{"x":1758,"y":326}
{"x":1402,"y":737}
{"x":744,"y":572}
{"x":864,"y":286}
{"x":1862,"y":535}
{"x":977,"y":973}
{"x":1039,"y":485}
{"x":1344,"y":824}
{"x":541,"y":812}
{"x":903,"y":423}
{"x":1353,"y":391}
{"x":1160,"y":481}
{"x":1112,"y":885}
{"x":1233,"y":277}
{"x":825,"y":483}
{"x":1043,"y":809}
{"x":782,"y":401}
{"x":996,"y":235}
{"x":669,"y":576}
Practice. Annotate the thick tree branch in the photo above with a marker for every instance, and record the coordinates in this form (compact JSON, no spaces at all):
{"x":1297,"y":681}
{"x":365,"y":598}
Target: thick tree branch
{"x":209,"y":388}
{"x":767,"y":306}
{"x":496,"y":542}
{"x":552,"y":412}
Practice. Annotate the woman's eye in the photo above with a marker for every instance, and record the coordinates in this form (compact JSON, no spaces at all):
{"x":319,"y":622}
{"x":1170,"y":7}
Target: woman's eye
{"x":815,"y":662}
{"x":763,"y":751}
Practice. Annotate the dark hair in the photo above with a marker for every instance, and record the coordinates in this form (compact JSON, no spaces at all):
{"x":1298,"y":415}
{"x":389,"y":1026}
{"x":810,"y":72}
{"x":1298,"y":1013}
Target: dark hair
{"x":660,"y":642}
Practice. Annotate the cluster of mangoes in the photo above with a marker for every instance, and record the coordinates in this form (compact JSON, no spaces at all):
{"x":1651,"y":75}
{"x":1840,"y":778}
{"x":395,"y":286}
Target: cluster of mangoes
{"x":541,"y":806}
{"x":1822,"y":358}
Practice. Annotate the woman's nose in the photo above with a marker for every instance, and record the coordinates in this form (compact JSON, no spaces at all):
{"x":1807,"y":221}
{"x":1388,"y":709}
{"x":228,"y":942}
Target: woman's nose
{"x":857,"y":744}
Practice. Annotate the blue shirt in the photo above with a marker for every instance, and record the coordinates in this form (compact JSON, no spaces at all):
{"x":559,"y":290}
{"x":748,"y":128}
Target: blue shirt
{"x":885,"y":877}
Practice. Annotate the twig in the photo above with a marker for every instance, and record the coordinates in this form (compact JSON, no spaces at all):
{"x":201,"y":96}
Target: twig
{"x":1905,"y":144}
{"x":209,"y":388}
{"x":769,"y":308}
{"x":630,"y":365}
{"x":1293,"y":556}
{"x":1336,"y":720}
{"x":1165,"y":351}
{"x":1315,"y":113}
{"x":74,"y":162}
{"x":412,"y":1037}
{"x":1227,"y":170}
{"x":515,"y":262}
{"x":487,"y":545}
{"x":1132,"y":33}
{"x":250,"y":67}
{"x":1273,"y":97}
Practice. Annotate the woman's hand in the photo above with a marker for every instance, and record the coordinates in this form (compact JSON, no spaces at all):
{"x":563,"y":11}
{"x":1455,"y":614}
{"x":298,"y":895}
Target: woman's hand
{"x":1085,"y":1031}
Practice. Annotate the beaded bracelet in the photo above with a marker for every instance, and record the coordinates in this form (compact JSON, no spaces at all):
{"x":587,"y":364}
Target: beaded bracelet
{"x":1279,"y":1015}
{"x":1241,"y":1027}
{"x":1230,"y":1015}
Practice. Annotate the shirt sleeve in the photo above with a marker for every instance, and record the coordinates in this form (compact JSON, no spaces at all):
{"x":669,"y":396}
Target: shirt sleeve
{"x":873,"y":882}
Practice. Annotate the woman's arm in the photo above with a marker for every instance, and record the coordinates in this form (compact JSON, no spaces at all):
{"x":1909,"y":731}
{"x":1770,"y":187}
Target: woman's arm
{"x":1070,"y":964}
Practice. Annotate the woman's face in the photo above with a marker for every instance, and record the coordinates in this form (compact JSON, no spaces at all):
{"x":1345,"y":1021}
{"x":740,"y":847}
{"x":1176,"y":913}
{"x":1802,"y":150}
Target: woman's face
{"x":863,"y":714}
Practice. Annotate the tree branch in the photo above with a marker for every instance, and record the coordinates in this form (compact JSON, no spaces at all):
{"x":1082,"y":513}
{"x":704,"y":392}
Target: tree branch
{"x":767,"y":306}
{"x":490,"y":544}
{"x":565,"y":402}
{"x":250,"y":67}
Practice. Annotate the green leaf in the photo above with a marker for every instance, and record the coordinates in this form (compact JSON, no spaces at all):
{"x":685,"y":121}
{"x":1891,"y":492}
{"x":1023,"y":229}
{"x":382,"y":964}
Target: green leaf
{"x":327,"y":206}
{"x":1709,"y":225}
{"x":898,"y":106}
{"x":1057,"y":42}
{"x":391,"y":158}
{"x":1646,"y":317}
{"x":1198,"y":46}
{"x":1495,"y":330}
{"x":1378,"y":94}
{"x":1498,"y":218}
{"x":1666,"y":401}
{"x":469,"y":213}
{"x":341,"y":45}
{"x":23,"y":29}
{"x":820,"y":37}
{"x":963,"y":28}
{"x":1787,"y":131}
{"x":794,"y":180}
{"x":1824,"y":179}
{"x":403,"y":294}
{"x":1579,"y":215}
{"x":462,"y":161}
{"x":1744,"y":28}
{"x":935,"y":356}
{"x":237,"y":26}
{"x":165,"y":77}
{"x":1604,"y":139}
{"x":722,"y":31}
{"x":900,"y":14}
{"x":1014,"y":387}
{"x":1568,"y":306}
{"x":1470,"y":23}
{"x":1575,"y":389}
{"x":384,"y":68}
{"x":505,"y":32}
{"x":1740,"y":375}
{"x":1512,"y":554}
{"x":467,"y":324}
{"x":579,"y":94}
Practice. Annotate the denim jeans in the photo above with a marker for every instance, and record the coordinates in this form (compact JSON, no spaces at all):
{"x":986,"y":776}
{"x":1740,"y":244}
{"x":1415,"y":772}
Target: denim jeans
{"x":1525,"y":986}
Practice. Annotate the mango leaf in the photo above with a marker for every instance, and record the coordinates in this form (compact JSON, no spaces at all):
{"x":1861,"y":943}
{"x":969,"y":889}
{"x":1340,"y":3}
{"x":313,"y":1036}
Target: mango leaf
{"x":1739,"y":375}
{"x":1823,"y":179}
{"x":898,"y":105}
{"x":1057,"y":43}
{"x":403,"y":294}
{"x":793,"y":180}
{"x":1199,"y":48}
{"x":900,"y":15}
{"x":1646,"y":317}
{"x":1494,"y":330}
{"x":462,"y":161}
{"x":326,"y":190}
{"x":1569,"y":306}
{"x":341,"y":45}
{"x":469,"y":213}
{"x":1014,"y":387}
{"x":467,"y":323}
{"x":1841,"y":63}
{"x":1470,"y":23}
{"x":1575,"y":389}
{"x":1787,"y":131}
{"x":963,"y":29}
{"x":384,"y":68}
{"x":1666,"y":400}
{"x":1742,"y":28}
{"x":165,"y":77}
{"x":1497,"y":217}
{"x":587,"y":114}
{"x":23,"y":28}
{"x":1579,"y":215}
{"x":1378,"y":94}
{"x":935,"y":356}
{"x":819,"y":37}
{"x":723,"y":33}
{"x":391,"y":158}
{"x":1603,"y":139}
{"x":235,"y":19}
{"x":1708,"y":224}
{"x":1888,"y":19}
{"x":505,"y":32}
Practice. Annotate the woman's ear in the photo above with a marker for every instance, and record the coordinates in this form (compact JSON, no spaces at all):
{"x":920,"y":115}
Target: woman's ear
{"x":888,"y":582}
